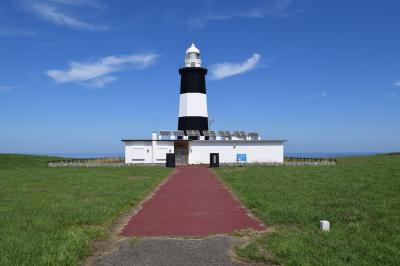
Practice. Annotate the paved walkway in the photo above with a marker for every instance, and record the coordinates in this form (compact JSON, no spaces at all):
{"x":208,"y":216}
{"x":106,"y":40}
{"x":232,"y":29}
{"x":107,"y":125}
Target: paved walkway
{"x":193,"y":202}
{"x":166,"y":251}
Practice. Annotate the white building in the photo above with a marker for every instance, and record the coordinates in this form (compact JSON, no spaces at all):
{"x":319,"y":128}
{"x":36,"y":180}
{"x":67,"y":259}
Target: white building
{"x":193,"y":142}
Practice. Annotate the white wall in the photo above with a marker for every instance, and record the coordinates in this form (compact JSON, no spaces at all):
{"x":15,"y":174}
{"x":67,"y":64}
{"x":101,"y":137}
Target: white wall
{"x":256,"y":152}
{"x":162,"y":148}
{"x":147,"y":151}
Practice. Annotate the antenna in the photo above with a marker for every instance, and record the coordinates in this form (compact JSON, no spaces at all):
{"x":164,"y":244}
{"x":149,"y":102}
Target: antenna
{"x":211,"y":121}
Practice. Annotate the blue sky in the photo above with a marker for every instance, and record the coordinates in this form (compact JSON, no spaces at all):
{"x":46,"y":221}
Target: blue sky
{"x":76,"y":76}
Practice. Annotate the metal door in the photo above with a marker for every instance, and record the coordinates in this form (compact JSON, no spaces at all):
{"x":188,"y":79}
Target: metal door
{"x":181,"y":153}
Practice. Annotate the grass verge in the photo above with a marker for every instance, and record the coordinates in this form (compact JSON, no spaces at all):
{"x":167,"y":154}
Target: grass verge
{"x":50,"y":216}
{"x":360,"y":197}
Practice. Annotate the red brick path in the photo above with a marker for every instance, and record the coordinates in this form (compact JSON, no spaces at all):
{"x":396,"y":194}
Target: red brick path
{"x":193,"y":202}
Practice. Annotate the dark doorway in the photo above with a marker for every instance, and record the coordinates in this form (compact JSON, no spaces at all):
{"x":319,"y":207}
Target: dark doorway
{"x":181,"y":152}
{"x":214,"y":160}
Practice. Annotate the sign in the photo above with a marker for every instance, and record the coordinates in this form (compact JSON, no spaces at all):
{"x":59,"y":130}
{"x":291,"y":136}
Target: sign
{"x":241,"y":157}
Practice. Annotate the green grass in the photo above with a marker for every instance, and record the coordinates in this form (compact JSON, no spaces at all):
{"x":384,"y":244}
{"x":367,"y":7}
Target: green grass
{"x":360,"y":197}
{"x":50,"y":216}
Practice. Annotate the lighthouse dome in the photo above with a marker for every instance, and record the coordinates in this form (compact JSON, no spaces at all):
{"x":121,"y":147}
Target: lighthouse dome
{"x":193,"y":49}
{"x":192,"y":58}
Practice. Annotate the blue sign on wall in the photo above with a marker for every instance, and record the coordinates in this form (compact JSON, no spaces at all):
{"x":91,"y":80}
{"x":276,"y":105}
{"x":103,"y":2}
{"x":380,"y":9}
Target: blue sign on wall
{"x":241,"y":157}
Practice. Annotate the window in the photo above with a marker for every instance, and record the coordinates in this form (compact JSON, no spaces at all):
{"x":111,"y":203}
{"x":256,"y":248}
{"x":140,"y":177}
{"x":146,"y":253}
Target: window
{"x":193,"y":56}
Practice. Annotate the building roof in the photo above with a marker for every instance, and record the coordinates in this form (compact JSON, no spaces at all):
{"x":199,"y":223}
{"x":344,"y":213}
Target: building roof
{"x":243,"y":140}
{"x":154,"y":140}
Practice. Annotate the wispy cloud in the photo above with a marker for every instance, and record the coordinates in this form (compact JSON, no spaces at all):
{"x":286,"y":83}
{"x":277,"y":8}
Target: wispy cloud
{"x":320,"y":95}
{"x":91,"y":3}
{"x":390,"y":94}
{"x":6,"y":88}
{"x":226,"y":69}
{"x":96,"y":73}
{"x":15,"y":32}
{"x":272,"y":8}
{"x":397,"y":83}
{"x":54,"y":14}
{"x":99,"y":83}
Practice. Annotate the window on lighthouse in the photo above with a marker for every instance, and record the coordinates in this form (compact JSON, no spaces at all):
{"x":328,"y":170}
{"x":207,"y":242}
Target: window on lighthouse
{"x":193,"y":56}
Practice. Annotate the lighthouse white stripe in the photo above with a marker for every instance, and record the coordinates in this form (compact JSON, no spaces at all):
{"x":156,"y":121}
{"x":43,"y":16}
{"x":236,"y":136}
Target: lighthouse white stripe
{"x":193,"y":104}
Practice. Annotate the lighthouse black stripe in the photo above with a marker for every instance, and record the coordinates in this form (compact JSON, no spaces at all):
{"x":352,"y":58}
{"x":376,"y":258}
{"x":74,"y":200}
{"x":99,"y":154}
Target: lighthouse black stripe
{"x":193,"y":122}
{"x":193,"y":79}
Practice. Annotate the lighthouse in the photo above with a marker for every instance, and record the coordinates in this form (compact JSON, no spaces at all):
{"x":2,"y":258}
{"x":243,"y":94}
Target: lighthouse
{"x":193,"y":143}
{"x":193,"y":114}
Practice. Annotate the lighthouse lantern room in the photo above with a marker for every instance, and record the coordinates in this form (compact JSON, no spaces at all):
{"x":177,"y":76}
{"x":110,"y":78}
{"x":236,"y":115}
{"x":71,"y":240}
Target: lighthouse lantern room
{"x":192,"y":58}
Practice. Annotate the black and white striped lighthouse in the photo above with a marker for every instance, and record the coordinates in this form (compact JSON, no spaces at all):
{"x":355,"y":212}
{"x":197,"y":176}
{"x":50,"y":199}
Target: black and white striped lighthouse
{"x":193,"y":113}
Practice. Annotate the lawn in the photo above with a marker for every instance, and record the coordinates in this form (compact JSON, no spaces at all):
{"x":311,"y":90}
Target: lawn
{"x":360,"y":197}
{"x":50,"y":216}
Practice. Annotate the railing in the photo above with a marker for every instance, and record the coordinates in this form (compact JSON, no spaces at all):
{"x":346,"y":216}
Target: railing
{"x":183,"y":66}
{"x":304,"y":159}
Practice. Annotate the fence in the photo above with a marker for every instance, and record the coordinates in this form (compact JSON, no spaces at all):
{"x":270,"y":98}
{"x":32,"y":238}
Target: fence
{"x":88,"y":162}
{"x":120,"y":162}
{"x":311,"y":160}
{"x":91,"y":160}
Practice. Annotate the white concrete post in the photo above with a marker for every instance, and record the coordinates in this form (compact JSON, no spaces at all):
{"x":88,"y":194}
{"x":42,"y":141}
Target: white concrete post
{"x":324,"y":225}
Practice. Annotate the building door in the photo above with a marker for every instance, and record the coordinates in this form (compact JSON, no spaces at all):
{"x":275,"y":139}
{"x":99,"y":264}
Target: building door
{"x":181,"y":152}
